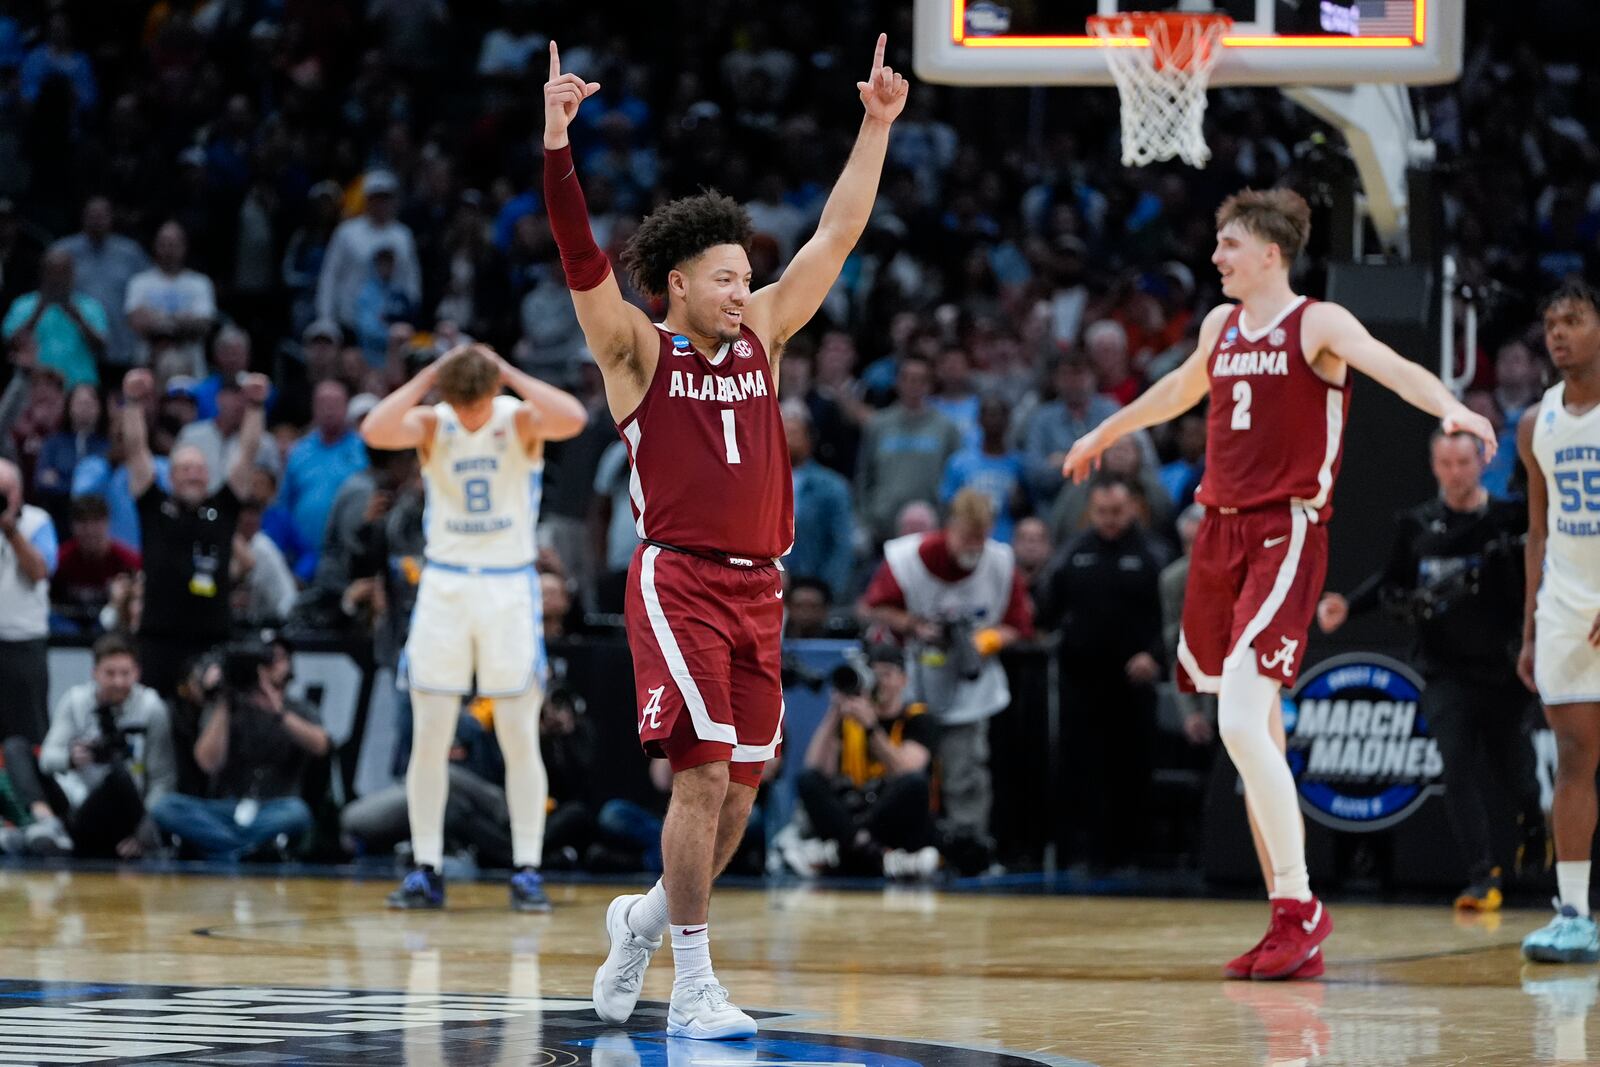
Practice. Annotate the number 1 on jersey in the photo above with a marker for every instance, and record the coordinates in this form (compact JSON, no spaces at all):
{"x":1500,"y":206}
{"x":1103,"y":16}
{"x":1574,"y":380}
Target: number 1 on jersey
{"x":1241,"y":405}
{"x":728,"y":437}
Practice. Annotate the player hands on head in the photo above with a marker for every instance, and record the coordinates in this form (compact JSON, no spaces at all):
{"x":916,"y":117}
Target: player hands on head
{"x":696,"y":399}
{"x":477,"y":625}
{"x":1276,"y":368}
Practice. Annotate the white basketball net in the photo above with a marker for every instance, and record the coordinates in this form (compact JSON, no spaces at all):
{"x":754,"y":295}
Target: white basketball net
{"x":1163,"y":86}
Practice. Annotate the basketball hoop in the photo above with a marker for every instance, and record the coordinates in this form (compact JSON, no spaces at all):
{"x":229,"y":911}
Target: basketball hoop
{"x":1162,"y":64}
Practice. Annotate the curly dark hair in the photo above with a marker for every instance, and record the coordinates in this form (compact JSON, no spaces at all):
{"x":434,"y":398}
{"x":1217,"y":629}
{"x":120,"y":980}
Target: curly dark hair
{"x":1574,"y":290}
{"x":679,"y":231}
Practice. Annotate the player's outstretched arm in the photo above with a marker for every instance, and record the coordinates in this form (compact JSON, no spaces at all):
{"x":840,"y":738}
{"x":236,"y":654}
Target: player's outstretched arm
{"x":1533,"y":548}
{"x":1177,"y":392}
{"x":779,"y":310}
{"x":613,"y":328}
{"x":398,"y":421}
{"x":1331,"y":328}
{"x":547,"y":413}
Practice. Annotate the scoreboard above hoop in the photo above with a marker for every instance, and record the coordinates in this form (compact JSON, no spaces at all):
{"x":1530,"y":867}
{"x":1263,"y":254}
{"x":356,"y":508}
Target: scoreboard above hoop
{"x":1273,"y":42}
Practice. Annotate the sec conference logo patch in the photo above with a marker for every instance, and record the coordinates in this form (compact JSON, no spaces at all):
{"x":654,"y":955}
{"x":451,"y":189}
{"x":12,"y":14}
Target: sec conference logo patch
{"x":742,"y":349}
{"x":70,"y":1022}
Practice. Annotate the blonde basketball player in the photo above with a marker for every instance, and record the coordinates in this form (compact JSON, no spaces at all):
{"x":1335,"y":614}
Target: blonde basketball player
{"x":478,"y":612}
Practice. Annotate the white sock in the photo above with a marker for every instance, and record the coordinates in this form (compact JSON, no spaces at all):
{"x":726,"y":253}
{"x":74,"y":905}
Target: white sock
{"x":516,"y":727}
{"x":648,"y":917}
{"x":433,"y":729}
{"x":1572,"y":876}
{"x":691,"y":954}
{"x":1244,"y":712}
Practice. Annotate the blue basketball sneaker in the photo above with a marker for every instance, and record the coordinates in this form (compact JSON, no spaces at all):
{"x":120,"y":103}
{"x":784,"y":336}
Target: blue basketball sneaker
{"x":1568,"y":938}
{"x":423,"y":888}
{"x":527,"y":891}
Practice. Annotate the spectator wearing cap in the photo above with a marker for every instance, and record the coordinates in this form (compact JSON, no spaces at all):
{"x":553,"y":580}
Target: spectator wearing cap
{"x":346,"y":267}
{"x":89,"y":562}
{"x":68,"y":326}
{"x":1075,"y":411}
{"x":28,"y":554}
{"x":220,"y":437}
{"x":171,"y":308}
{"x":319,"y":463}
{"x":105,"y":263}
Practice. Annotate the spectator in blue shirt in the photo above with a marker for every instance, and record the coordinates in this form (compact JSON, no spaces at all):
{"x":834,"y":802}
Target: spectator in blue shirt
{"x":991,"y":468}
{"x":380,"y":303}
{"x":956,"y":400}
{"x":318,"y":465}
{"x":1075,"y":411}
{"x":1182,"y":476}
{"x":56,"y":58}
{"x":82,"y":437}
{"x":823,"y":525}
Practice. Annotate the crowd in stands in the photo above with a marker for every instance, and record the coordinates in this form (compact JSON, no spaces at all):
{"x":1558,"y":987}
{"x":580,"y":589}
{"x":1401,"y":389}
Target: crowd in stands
{"x":228,"y":227}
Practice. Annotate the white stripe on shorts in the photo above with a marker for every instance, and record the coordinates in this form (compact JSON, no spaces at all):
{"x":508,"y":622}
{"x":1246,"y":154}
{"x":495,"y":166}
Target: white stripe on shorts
{"x":705,"y":727}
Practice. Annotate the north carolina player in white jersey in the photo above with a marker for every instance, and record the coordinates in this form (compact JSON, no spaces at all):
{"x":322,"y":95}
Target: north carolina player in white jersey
{"x":477,"y":616}
{"x":1559,"y":441}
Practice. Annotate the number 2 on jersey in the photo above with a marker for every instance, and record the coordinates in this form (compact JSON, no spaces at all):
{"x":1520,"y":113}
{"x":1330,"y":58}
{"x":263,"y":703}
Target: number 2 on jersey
{"x":728,"y":437}
{"x":1241,"y":405}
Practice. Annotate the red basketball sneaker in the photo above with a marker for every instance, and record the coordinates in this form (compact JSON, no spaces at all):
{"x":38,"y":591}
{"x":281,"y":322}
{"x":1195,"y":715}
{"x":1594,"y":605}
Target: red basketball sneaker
{"x":1292,"y":940}
{"x":1241,"y":966}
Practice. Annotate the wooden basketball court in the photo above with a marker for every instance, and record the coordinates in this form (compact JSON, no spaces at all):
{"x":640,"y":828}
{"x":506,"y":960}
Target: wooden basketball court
{"x":107,"y":967}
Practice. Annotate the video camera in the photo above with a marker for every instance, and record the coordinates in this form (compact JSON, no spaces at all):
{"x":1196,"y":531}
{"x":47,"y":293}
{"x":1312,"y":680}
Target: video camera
{"x":954,"y":649}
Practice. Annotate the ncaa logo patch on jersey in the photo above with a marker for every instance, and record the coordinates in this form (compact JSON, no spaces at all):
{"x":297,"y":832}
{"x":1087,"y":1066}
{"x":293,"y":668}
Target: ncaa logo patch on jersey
{"x":680,"y":345}
{"x":1230,"y":337}
{"x":1277,"y":337}
{"x":742,"y":349}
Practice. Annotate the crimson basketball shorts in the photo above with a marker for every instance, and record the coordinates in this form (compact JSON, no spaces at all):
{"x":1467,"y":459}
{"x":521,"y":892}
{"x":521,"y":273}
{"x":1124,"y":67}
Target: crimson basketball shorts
{"x":1254,"y":581}
{"x":706,"y":639}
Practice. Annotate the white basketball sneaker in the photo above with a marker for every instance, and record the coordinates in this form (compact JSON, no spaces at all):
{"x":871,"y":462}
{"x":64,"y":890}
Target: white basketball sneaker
{"x":620,"y":977}
{"x":702,"y":1011}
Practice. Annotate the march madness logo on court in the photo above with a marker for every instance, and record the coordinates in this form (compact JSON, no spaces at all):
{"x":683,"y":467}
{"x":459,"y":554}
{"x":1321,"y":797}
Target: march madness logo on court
{"x":1360,"y":751}
{"x":73,"y":1022}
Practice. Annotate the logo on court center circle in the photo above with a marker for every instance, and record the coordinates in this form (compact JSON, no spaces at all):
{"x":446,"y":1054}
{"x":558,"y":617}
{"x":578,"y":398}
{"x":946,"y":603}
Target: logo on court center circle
{"x":1361,"y":753}
{"x":1276,"y":337}
{"x":74,"y":1022}
{"x":742,"y":349}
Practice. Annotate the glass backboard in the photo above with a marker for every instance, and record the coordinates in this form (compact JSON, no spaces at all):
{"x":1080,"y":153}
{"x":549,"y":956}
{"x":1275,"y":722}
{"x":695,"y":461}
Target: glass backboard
{"x":1273,"y":42}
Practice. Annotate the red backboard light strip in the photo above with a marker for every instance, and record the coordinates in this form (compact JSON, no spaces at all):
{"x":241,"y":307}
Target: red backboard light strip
{"x":958,"y":34}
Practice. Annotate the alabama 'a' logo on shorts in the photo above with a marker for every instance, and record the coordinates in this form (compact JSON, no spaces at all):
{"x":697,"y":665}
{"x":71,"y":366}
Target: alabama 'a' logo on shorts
{"x":650,"y":714}
{"x":1281,"y":659}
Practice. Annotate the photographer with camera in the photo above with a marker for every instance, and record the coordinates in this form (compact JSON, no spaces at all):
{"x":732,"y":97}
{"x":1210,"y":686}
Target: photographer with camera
{"x":108,"y":754}
{"x":254,"y":745}
{"x":1455,"y":574}
{"x":956,"y":598}
{"x":866,"y":779}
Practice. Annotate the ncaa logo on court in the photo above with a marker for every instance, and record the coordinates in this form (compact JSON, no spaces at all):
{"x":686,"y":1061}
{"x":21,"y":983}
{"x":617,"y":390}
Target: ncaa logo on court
{"x":1361,"y":753}
{"x":742,"y":349}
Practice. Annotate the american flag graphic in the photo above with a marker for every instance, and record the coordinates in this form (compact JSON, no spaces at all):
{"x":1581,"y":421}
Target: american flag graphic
{"x":1388,"y":18}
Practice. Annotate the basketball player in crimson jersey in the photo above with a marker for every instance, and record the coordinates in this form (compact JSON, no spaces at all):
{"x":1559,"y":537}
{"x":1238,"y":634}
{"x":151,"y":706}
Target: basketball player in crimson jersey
{"x":696,"y":399}
{"x":1276,"y":367}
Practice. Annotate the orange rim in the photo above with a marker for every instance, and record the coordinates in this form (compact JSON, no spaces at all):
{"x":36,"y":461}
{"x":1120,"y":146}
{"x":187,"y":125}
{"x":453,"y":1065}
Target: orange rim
{"x":1165,"y":32}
